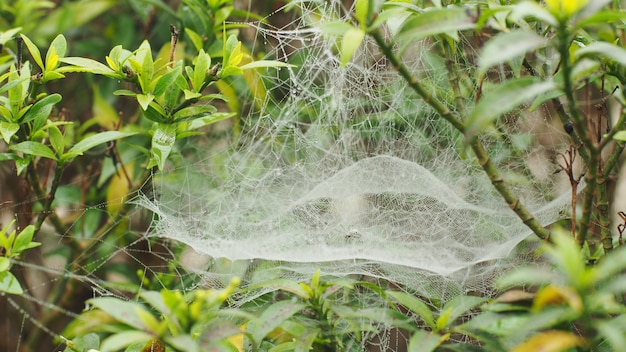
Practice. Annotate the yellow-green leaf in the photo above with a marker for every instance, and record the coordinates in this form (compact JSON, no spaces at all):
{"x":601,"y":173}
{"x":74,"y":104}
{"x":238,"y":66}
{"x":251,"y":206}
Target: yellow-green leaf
{"x":352,"y":39}
{"x":550,"y":341}
{"x":34,"y":51}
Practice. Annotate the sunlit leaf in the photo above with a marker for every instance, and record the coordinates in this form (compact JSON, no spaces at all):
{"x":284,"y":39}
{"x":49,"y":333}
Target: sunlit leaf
{"x":81,"y":64}
{"x":265,"y":63}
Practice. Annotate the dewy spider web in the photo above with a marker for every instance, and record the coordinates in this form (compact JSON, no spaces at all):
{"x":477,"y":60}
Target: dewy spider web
{"x":347,"y":170}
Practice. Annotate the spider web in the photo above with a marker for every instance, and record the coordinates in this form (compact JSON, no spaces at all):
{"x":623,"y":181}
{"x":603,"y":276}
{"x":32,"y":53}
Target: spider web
{"x":347,"y":170}
{"x":343,"y":169}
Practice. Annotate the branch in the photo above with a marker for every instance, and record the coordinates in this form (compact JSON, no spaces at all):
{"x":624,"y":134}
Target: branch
{"x":483,"y":158}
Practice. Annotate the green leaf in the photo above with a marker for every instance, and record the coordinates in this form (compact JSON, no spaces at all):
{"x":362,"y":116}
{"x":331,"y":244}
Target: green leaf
{"x":186,"y":343}
{"x":461,"y":305}
{"x":81,"y":64}
{"x":208,"y":120}
{"x":5,"y":264}
{"x":163,"y":141}
{"x":602,"y":18}
{"x":531,"y":9}
{"x":8,"y":35}
{"x":193,"y":112}
{"x":34,"y":51}
{"x":123,"y":311}
{"x":9,"y":284}
{"x":265,"y":63}
{"x":56,"y":139}
{"x":335,"y":28}
{"x":60,"y":46}
{"x":123,"y":339}
{"x":444,"y":319}
{"x":566,"y":256}
{"x":144,"y":66}
{"x":415,"y":305}
{"x":97,"y":139}
{"x":504,"y":98}
{"x":40,"y":111}
{"x":352,"y":39}
{"x":423,"y":341}
{"x":149,"y":321}
{"x":605,"y":49}
{"x":144,"y":100}
{"x":8,"y":130}
{"x":434,"y":21}
{"x":166,"y":80}
{"x":271,"y":318}
{"x":52,"y":75}
{"x":203,"y":61}
{"x":195,"y":38}
{"x":507,"y":46}
{"x":363,"y":10}
{"x":34,"y":148}
{"x":24,"y":240}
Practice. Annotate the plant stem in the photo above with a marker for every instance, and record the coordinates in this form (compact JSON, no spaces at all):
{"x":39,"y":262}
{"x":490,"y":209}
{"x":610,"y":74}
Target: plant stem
{"x":483,"y":158}
{"x":580,"y":127}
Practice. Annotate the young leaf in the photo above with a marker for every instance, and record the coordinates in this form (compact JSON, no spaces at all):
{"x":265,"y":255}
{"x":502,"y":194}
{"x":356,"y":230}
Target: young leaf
{"x":81,"y":64}
{"x":60,"y":45}
{"x":8,"y":130}
{"x":352,"y":39}
{"x":24,"y":240}
{"x":5,"y":263}
{"x":363,"y":11}
{"x":195,"y":38}
{"x":9,"y":283}
{"x":34,"y":148}
{"x":265,"y":63}
{"x":34,"y":51}
{"x":8,"y":35}
{"x":203,"y":61}
{"x":144,"y":100}
{"x":121,"y":340}
{"x":506,"y":46}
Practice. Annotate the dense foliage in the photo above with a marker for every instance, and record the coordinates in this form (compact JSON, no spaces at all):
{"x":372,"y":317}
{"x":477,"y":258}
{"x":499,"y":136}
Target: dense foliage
{"x":96,"y":97}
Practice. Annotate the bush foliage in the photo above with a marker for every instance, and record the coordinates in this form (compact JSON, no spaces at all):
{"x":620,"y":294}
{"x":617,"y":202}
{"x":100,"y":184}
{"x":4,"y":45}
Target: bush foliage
{"x":119,"y":90}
